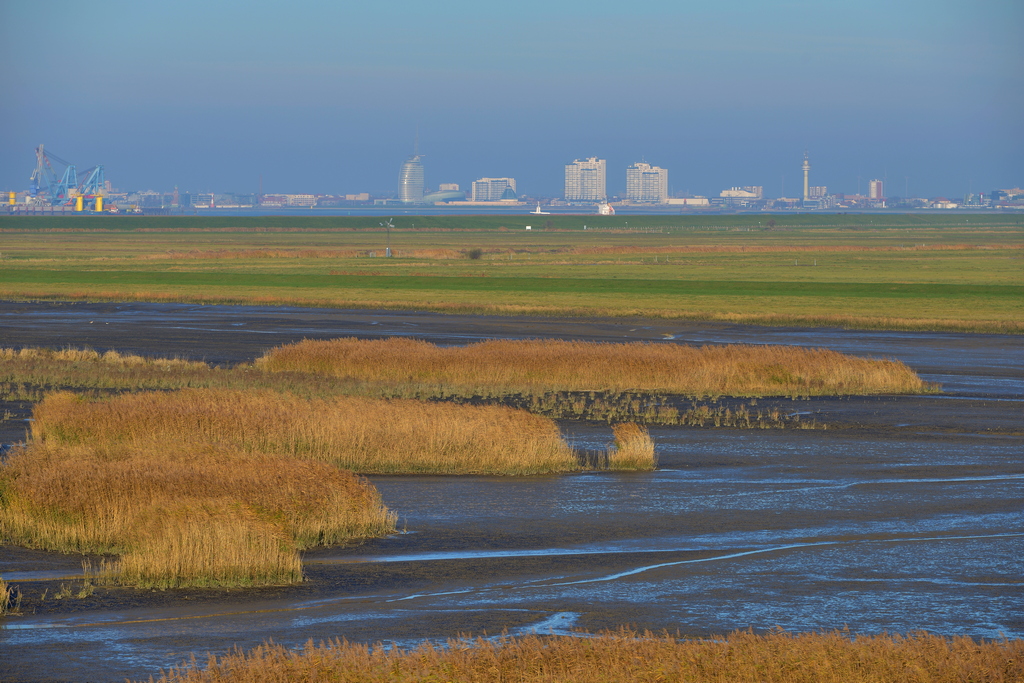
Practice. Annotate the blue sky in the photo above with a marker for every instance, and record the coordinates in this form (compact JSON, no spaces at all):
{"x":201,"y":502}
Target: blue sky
{"x":325,"y":97}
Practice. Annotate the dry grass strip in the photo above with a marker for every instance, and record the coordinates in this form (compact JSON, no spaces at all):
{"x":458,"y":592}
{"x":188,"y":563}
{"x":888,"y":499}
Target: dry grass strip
{"x":625,"y":656}
{"x":400,"y":436}
{"x":533,"y":366}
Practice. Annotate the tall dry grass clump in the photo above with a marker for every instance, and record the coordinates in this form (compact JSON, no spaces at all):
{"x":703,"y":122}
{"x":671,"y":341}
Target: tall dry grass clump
{"x":184,"y":514}
{"x":363,"y":434}
{"x":625,"y":656}
{"x":180,"y":511}
{"x":224,"y":487}
{"x":552,"y":365}
{"x":633,"y":448}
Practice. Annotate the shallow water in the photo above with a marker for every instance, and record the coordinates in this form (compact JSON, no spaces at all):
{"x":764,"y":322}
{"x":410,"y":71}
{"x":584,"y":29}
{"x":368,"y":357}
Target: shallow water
{"x":908,"y":518}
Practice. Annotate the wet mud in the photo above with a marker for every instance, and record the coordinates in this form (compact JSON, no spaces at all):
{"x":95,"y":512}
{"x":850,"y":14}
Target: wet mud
{"x":904,"y":514}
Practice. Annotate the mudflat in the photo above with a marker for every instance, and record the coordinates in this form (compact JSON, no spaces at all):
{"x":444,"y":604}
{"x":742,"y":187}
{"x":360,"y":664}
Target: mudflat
{"x":902,"y":514}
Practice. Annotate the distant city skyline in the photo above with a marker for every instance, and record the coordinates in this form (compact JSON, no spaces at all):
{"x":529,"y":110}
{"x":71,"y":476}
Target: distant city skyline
{"x":585,"y":182}
{"x":327,"y":98}
{"x":413,"y":184}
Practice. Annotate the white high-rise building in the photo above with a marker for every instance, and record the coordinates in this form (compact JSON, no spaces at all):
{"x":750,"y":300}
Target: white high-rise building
{"x":492,"y":189}
{"x":585,"y":180}
{"x":410,"y":180}
{"x":646,"y":183}
{"x":875,"y":190}
{"x":806,"y":168}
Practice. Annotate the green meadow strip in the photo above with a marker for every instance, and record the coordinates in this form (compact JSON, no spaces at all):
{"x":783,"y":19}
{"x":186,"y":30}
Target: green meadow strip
{"x":506,"y":284}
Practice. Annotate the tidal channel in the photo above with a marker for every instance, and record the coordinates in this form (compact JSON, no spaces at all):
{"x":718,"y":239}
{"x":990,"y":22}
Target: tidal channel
{"x":905,"y":514}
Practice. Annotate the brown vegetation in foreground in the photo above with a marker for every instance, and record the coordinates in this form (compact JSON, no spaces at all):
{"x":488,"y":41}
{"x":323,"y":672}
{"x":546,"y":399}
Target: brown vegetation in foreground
{"x":182,"y":513}
{"x":362,"y":434}
{"x":221,"y":486}
{"x":625,"y":656}
{"x":224,"y":487}
{"x":532,"y":366}
{"x":633,"y":448}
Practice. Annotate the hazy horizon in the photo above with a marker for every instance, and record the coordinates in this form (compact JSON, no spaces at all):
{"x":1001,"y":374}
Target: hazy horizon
{"x":326,"y":98}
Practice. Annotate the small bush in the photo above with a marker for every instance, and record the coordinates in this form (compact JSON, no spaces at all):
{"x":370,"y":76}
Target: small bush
{"x":475,"y":253}
{"x":633,"y":448}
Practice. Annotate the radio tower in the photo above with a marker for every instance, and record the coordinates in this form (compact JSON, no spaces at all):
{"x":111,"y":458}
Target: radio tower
{"x":807,"y":173}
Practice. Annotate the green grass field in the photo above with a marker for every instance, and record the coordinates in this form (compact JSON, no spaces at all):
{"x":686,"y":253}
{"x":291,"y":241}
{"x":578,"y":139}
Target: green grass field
{"x":950,"y":272}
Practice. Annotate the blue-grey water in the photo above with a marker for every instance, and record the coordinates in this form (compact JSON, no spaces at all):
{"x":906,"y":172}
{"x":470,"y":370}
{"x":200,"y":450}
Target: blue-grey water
{"x":909,"y":518}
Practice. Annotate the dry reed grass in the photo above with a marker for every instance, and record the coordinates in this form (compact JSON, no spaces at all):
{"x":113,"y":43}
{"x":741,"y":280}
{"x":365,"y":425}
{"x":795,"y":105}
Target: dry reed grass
{"x":533,"y":366}
{"x":179,"y":511}
{"x":633,"y":448}
{"x":184,"y":515}
{"x":10,"y":598}
{"x":223,"y":487}
{"x":87,"y":368}
{"x":362,"y":434}
{"x":625,"y":656}
{"x":111,"y":359}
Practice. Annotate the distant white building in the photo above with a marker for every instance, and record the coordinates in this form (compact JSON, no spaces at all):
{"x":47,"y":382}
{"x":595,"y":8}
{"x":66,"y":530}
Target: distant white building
{"x":745,"y":192}
{"x":410,"y":181}
{"x":817,"y":191}
{"x":448,"y":187}
{"x":875,"y":190}
{"x":301,"y":199}
{"x":646,"y":183}
{"x":493,"y":189}
{"x":585,"y":180}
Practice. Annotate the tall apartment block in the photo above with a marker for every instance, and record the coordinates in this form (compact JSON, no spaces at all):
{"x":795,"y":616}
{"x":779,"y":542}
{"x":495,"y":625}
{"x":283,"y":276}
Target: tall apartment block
{"x":493,"y":189}
{"x":410,"y":180}
{"x":585,"y":180}
{"x":875,"y":190}
{"x":646,"y":183}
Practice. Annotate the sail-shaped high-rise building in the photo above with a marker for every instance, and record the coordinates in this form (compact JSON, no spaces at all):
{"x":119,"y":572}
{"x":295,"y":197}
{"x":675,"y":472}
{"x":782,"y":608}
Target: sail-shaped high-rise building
{"x":410,"y":180}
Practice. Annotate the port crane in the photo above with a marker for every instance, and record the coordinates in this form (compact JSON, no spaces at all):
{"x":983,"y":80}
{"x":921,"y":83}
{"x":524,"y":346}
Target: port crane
{"x":46,"y":187}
